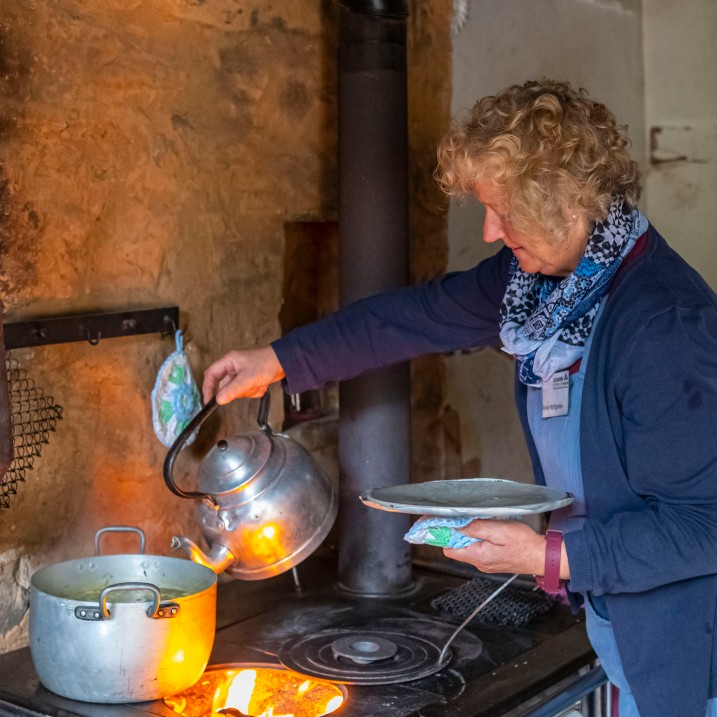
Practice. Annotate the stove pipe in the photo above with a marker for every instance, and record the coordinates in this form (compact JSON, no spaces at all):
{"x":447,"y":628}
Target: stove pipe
{"x":374,"y":437}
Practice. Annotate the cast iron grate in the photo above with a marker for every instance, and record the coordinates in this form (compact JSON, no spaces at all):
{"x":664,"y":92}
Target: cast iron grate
{"x":515,"y":607}
{"x":34,"y":416}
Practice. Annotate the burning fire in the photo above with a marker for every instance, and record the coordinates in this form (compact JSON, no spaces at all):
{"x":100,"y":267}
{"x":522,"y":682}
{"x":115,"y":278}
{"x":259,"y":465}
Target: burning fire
{"x":257,"y":692}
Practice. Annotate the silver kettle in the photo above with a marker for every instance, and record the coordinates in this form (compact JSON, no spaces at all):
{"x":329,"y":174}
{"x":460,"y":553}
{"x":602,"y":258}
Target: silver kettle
{"x":264,"y":503}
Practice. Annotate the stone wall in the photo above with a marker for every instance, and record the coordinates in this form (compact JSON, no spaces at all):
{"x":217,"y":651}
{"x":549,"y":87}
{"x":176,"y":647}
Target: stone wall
{"x":153,"y":151}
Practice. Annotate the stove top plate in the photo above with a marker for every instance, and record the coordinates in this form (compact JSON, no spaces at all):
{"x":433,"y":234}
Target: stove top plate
{"x":327,"y":655}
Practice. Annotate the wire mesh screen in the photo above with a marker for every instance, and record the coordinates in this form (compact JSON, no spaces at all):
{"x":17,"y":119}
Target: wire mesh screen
{"x":34,"y":416}
{"x":514,"y":607}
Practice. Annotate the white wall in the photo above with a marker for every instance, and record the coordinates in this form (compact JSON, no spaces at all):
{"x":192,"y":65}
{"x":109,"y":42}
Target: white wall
{"x":593,"y":43}
{"x":681,"y":115}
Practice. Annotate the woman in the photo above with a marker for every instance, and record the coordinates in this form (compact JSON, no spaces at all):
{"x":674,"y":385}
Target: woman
{"x":615,"y":340}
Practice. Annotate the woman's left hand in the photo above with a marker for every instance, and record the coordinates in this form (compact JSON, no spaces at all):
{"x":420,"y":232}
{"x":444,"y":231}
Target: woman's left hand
{"x":507,"y":546}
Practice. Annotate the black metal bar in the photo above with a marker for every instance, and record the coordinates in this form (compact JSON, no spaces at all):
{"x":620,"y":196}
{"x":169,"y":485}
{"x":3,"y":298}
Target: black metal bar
{"x":374,"y":409}
{"x":91,"y":328}
{"x":384,"y":8}
{"x":583,"y":686}
{"x":15,"y":706}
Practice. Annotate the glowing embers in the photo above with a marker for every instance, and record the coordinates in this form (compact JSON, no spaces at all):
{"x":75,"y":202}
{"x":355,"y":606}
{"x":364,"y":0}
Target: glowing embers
{"x":258,"y":691}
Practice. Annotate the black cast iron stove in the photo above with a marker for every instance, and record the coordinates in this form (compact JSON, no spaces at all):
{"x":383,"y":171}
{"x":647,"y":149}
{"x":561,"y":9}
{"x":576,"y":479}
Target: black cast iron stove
{"x":494,"y":669}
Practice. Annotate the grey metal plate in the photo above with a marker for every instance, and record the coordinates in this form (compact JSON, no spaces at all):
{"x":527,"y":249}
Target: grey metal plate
{"x":478,"y":497}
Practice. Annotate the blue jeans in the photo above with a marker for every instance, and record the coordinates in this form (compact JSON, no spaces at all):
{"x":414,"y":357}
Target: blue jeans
{"x":602,"y":638}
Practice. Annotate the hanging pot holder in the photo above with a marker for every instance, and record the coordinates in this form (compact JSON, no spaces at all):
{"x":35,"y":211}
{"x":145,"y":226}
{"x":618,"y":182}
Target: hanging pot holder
{"x":175,"y":397}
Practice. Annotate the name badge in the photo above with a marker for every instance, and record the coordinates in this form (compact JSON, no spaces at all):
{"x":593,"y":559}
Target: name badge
{"x":556,"y":393}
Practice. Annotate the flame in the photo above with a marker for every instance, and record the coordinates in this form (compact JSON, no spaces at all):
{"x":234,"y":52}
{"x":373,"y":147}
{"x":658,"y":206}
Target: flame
{"x":241,"y":690}
{"x":257,"y":691}
{"x":275,"y":693}
{"x":333,"y":704}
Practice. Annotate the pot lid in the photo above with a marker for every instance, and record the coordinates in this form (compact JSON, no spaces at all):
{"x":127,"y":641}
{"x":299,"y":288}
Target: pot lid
{"x":234,"y":461}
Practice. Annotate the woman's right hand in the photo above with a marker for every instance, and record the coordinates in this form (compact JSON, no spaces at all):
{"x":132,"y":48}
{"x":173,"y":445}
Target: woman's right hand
{"x":241,"y":374}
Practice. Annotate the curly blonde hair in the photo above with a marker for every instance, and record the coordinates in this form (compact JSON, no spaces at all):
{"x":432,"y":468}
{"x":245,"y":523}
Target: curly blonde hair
{"x":549,"y":147}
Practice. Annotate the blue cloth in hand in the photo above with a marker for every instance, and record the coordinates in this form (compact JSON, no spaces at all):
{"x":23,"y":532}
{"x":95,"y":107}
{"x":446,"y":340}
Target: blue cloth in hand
{"x":441,"y":532}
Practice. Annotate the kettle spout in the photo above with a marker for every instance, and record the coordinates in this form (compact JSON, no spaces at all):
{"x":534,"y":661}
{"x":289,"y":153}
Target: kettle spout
{"x":218,"y":560}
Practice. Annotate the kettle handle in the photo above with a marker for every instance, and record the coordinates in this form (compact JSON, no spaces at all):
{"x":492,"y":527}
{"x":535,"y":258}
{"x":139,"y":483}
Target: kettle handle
{"x":263,"y":418}
{"x":177,"y":446}
{"x":194,"y":425}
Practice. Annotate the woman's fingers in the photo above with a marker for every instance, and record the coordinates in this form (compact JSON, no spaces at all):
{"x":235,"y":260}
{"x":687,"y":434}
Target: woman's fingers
{"x":219,"y":373}
{"x":496,"y":531}
{"x":240,"y":388}
{"x":505,"y":546}
{"x":239,"y":374}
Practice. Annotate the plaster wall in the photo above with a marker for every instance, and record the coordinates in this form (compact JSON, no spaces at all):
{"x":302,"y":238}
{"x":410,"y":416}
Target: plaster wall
{"x":681,"y":127}
{"x":152,"y":152}
{"x":595,"y":44}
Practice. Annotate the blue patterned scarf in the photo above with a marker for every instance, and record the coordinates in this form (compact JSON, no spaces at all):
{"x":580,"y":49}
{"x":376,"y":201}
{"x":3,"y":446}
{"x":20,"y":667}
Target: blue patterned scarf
{"x":545,"y":321}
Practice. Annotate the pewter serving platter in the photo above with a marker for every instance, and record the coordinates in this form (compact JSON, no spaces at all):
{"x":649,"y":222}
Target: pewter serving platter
{"x":479,"y":497}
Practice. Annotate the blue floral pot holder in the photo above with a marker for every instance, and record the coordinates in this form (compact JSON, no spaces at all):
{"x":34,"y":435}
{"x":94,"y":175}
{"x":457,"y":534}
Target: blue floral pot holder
{"x":175,"y":397}
{"x":441,"y":532}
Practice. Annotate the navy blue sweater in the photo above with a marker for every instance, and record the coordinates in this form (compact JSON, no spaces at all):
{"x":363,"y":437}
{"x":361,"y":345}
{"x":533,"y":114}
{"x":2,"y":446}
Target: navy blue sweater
{"x":648,"y":436}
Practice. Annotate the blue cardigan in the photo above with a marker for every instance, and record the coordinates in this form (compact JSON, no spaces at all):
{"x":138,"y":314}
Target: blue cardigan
{"x":648,"y":438}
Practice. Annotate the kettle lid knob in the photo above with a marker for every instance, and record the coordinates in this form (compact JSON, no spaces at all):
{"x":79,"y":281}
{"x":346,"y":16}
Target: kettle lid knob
{"x":234,"y":461}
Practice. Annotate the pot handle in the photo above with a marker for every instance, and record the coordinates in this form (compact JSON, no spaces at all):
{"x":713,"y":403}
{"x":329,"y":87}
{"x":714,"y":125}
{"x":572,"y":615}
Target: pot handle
{"x":155,"y":610}
{"x":119,"y":529}
{"x":194,"y":425}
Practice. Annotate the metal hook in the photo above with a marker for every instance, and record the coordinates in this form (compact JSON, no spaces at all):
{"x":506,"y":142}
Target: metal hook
{"x":169,"y":319}
{"x":93,"y":341}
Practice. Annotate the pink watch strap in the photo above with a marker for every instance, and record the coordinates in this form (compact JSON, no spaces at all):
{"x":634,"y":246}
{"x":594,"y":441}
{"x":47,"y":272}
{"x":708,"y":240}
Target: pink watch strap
{"x":551,"y":582}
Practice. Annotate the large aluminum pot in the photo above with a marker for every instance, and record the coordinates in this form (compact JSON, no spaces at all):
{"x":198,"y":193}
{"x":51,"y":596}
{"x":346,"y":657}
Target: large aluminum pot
{"x":121,"y":628}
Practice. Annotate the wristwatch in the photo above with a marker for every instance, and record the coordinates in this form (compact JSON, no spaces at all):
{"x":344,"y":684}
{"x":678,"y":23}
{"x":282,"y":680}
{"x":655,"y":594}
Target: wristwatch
{"x":550,"y":581}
